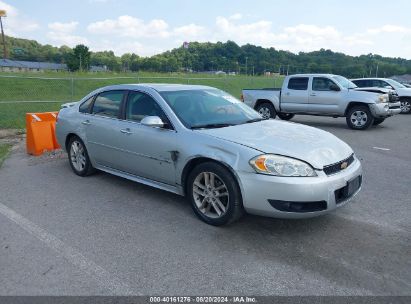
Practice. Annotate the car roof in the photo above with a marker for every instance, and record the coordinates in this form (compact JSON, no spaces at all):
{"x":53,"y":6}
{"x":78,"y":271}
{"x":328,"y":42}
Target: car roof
{"x":370,"y":78}
{"x":160,"y":87}
{"x":312,"y":75}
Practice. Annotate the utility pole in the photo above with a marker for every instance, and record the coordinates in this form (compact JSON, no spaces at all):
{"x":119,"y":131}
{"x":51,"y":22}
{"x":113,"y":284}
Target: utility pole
{"x":288,"y":66}
{"x":80,"y":63}
{"x":3,"y":14}
{"x":376,"y":71}
{"x":246,"y":67}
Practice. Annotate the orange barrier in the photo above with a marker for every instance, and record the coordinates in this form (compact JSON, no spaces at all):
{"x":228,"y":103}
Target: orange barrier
{"x":41,"y":135}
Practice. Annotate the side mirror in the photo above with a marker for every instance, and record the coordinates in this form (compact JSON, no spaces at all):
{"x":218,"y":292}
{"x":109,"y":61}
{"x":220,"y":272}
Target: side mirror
{"x":152,"y":121}
{"x":389,"y":87}
{"x":334,"y":87}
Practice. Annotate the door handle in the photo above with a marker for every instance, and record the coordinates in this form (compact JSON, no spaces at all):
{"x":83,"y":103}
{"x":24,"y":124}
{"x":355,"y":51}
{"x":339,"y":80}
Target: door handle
{"x":86,"y":122}
{"x":313,"y":94}
{"x":288,"y":93}
{"x":126,"y":131}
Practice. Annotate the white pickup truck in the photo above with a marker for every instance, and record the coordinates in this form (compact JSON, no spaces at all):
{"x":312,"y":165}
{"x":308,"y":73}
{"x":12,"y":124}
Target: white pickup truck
{"x":403,"y":92}
{"x":324,"y":95}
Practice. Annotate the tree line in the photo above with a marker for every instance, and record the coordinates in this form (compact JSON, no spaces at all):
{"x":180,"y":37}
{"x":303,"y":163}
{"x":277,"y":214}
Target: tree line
{"x":220,"y":56}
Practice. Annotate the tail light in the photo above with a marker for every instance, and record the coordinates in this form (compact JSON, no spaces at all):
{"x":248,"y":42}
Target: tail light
{"x":242,"y":97}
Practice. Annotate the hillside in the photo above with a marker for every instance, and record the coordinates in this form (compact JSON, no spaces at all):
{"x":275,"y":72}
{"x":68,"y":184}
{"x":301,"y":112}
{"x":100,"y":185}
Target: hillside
{"x":226,"y":56}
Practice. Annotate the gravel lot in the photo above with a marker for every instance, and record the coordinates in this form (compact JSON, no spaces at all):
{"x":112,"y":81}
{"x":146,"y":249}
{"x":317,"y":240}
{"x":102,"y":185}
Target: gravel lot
{"x":61,"y":234}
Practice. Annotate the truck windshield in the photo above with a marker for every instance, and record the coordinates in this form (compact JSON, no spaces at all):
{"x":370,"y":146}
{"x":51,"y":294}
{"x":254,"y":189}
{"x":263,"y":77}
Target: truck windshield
{"x":344,"y":82}
{"x":395,"y":84}
{"x":209,"y":108}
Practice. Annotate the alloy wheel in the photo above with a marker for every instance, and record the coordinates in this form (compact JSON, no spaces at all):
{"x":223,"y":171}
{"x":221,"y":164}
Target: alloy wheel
{"x":210,"y":194}
{"x":265,"y":112}
{"x":78,"y":155}
{"x":405,"y":106}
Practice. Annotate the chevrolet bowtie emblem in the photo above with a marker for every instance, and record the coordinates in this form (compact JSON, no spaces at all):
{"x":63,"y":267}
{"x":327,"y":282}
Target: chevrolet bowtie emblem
{"x":344,"y":165}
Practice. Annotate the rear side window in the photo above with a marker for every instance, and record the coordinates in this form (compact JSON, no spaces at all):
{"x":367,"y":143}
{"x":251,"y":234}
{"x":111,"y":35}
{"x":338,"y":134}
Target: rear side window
{"x":362,"y":83}
{"x":85,"y":106}
{"x":108,"y":103}
{"x":298,"y":83}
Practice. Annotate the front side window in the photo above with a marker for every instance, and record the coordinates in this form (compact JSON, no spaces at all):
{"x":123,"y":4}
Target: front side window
{"x":108,"y":104}
{"x":209,"y":108}
{"x":322,"y":84}
{"x":298,"y":83}
{"x":140,"y":105}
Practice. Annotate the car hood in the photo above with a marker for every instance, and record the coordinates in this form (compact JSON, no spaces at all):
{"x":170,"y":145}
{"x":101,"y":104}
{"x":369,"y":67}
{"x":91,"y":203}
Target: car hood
{"x":374,"y":90}
{"x":364,"y":96}
{"x":404,"y":92}
{"x":314,"y":146}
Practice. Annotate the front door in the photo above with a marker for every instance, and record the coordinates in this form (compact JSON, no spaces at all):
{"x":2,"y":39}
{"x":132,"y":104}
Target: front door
{"x":323,"y":100}
{"x":147,"y":151}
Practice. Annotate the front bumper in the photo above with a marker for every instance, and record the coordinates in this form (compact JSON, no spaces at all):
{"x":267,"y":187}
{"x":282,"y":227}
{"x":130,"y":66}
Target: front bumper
{"x":261,"y":193}
{"x":382,"y":110}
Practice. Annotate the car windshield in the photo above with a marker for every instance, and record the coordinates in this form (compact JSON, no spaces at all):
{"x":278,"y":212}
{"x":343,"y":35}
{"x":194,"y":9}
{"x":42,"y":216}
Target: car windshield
{"x":395,"y":84}
{"x":209,"y":108}
{"x":344,"y":82}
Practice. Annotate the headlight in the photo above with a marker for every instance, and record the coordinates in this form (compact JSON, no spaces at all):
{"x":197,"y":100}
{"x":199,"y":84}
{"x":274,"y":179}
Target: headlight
{"x":383,"y":98}
{"x":281,"y":166}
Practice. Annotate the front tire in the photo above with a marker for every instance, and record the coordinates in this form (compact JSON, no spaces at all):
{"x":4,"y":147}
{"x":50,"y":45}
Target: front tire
{"x":78,"y":157}
{"x":405,"y":106}
{"x":266,"y":110}
{"x":285,"y":116}
{"x":378,"y":121}
{"x":214,"y":194}
{"x":359,"y":118}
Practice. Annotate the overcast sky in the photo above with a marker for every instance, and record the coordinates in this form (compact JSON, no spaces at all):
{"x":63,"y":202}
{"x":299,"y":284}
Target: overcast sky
{"x":152,"y":26}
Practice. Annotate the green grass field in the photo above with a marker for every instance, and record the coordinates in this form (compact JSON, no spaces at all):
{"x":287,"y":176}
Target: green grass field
{"x":19,"y":90}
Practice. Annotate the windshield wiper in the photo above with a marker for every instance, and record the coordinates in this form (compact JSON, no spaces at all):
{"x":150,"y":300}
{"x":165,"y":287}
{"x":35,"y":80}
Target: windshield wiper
{"x":212,"y":125}
{"x":254,"y":120}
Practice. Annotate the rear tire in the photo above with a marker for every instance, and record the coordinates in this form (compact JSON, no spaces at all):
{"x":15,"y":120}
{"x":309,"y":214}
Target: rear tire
{"x":285,"y":116}
{"x":266,"y":110}
{"x":405,"y":106}
{"x":78,"y":157}
{"x":214,"y":194}
{"x":359,"y":118}
{"x":378,"y":121}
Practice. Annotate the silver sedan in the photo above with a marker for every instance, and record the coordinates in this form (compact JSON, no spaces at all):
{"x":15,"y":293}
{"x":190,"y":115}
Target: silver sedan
{"x":203,"y":143}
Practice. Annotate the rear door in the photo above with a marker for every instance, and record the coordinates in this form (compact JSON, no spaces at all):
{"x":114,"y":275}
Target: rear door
{"x":102,"y":128}
{"x":323,"y":100}
{"x":294,"y":97}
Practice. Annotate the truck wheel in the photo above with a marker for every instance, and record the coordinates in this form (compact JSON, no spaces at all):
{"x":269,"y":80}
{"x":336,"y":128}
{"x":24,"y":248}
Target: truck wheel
{"x":285,"y":116}
{"x":359,"y":118}
{"x":214,"y":194}
{"x":406,"y":106}
{"x":266,"y":110}
{"x":378,"y":121}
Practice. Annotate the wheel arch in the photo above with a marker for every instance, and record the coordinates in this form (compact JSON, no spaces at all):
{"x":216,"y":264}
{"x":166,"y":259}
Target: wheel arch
{"x":68,"y":137}
{"x":354,"y":103}
{"x":203,"y":159}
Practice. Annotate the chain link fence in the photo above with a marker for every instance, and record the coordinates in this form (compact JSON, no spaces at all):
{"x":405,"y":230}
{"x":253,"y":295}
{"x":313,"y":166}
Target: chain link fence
{"x":24,"y":94}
